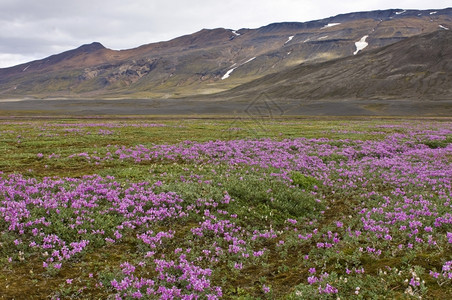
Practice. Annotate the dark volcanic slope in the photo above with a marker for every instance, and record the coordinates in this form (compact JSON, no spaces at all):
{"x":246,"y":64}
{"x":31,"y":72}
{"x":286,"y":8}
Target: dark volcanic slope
{"x":197,"y":63}
{"x":416,"y":68}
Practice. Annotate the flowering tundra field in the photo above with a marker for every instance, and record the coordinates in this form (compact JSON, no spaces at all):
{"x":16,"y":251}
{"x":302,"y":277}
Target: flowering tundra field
{"x":200,"y":209}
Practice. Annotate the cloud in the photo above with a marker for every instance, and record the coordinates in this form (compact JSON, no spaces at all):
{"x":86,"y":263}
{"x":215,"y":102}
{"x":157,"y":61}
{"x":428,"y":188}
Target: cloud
{"x":8,"y":59}
{"x":36,"y":29}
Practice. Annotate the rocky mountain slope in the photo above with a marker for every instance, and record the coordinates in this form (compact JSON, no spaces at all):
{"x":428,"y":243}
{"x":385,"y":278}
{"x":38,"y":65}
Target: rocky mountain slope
{"x":211,"y":61}
{"x":416,"y":68}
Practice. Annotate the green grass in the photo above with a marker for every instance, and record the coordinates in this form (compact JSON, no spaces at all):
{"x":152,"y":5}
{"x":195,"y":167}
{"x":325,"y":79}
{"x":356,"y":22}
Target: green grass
{"x":18,"y":154}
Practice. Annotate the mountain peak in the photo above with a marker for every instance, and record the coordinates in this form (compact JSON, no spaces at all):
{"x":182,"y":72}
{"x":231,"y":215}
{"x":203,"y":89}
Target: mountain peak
{"x":94,"y":46}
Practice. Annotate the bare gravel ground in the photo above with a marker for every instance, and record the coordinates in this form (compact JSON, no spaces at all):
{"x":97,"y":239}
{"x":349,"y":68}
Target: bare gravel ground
{"x":252,"y":107}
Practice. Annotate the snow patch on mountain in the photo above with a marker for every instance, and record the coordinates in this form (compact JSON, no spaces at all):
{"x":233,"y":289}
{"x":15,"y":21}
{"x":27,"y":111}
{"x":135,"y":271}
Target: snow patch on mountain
{"x":330,"y":25}
{"x":290,"y":38}
{"x":361,"y":44}
{"x":228,"y":73}
{"x":248,"y":60}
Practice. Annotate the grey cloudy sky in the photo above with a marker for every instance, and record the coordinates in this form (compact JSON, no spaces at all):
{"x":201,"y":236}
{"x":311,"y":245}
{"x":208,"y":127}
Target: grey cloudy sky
{"x":34,"y":29}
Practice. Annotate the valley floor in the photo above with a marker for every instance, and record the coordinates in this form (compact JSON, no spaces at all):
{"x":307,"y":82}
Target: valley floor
{"x":261,"y":106}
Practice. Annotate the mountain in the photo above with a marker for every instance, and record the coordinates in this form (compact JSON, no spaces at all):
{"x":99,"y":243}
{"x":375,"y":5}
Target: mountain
{"x":416,"y":68}
{"x":216,"y":60}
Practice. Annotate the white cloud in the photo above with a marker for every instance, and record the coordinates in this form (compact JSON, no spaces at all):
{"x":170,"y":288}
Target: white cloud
{"x":7,"y":59}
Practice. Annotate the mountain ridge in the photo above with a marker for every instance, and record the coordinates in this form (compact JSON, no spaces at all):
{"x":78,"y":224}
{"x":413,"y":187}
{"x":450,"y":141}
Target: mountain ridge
{"x":197,"y":63}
